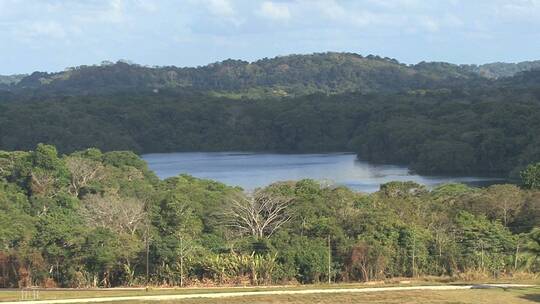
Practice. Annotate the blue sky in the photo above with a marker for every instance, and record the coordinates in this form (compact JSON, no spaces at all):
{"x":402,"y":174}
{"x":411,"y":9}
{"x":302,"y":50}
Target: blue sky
{"x":49,"y":35}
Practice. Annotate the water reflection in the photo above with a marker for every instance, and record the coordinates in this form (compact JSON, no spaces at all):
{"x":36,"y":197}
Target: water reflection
{"x":252,"y":170}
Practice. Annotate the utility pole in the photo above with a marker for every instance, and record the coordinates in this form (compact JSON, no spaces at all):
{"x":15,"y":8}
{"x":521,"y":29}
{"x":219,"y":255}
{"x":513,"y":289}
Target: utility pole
{"x":147,"y":257}
{"x":413,"y":255}
{"x":517,"y":256}
{"x":482,"y":256}
{"x":181,"y":262}
{"x":147,"y":241}
{"x":329,"y":261}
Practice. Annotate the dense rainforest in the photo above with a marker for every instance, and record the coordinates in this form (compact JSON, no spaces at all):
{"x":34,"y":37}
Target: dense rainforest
{"x":91,"y":218}
{"x":281,"y":76}
{"x":292,"y":75}
{"x":436,"y":118}
{"x":490,"y":130}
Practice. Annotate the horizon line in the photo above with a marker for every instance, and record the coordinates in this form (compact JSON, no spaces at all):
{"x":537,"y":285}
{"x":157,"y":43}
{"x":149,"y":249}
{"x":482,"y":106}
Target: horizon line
{"x":130,"y":62}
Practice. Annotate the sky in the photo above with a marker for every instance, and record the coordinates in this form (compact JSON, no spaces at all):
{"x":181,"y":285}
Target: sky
{"x":51,"y":35}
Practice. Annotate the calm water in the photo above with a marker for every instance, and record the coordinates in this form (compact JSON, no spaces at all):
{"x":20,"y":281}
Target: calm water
{"x":252,"y":170}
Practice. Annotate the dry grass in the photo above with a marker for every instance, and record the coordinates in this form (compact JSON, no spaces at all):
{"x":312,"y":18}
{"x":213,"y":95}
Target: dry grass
{"x":15,"y":295}
{"x":383,"y":297}
{"x":53,"y":294}
{"x":475,"y":296}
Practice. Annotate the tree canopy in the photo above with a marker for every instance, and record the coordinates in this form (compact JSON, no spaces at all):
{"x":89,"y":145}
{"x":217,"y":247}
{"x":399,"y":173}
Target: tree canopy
{"x":90,"y":219}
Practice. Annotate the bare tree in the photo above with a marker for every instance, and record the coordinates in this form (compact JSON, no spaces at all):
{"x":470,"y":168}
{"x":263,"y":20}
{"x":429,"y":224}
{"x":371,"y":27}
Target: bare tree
{"x":184,"y":251}
{"x":260,"y":214}
{"x":83,"y":171}
{"x":43,"y":183}
{"x":359,"y":258}
{"x":111,"y":211}
{"x":505,"y":201}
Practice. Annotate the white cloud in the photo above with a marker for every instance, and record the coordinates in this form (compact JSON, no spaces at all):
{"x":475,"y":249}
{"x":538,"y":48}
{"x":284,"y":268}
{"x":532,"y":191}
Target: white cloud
{"x":529,"y":9}
{"x":147,"y":5}
{"x":224,"y":10}
{"x":275,"y":11}
{"x":115,"y":11}
{"x":429,"y":24}
{"x":355,"y":15}
{"x":330,"y":9}
{"x":220,"y":8}
{"x":412,"y":16}
{"x":37,"y":34}
{"x":141,"y":30}
{"x":453,"y":20}
{"x":396,"y":4}
{"x":49,"y":29}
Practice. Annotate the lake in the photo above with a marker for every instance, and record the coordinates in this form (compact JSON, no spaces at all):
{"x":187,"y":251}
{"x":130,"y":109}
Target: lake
{"x":253,"y":170}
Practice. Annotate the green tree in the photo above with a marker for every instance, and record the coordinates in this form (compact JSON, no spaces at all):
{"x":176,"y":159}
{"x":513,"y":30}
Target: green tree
{"x":531,"y":176}
{"x":532,"y":250}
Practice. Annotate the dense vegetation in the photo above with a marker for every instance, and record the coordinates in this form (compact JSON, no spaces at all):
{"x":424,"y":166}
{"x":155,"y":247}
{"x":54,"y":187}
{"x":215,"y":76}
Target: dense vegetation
{"x":437,"y":118}
{"x":6,"y":81}
{"x":93,"y":219}
{"x":501,"y":69}
{"x":281,"y":76}
{"x":491,"y":129}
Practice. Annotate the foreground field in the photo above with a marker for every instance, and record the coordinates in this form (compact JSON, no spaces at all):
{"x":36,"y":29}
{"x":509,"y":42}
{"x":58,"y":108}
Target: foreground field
{"x":489,"y":296}
{"x":56,"y":294}
{"x":345,"y":294}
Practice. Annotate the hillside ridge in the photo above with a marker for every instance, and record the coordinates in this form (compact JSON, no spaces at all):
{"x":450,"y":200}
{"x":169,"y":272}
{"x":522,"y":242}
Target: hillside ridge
{"x":329,"y":72}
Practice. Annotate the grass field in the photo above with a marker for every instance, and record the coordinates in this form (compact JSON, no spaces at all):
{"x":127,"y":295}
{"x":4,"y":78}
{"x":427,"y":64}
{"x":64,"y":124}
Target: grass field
{"x":490,"y":296}
{"x":510,"y":296}
{"x":15,"y":295}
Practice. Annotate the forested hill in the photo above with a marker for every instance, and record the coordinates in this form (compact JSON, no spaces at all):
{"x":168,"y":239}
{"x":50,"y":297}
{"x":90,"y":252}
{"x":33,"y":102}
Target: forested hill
{"x":502,"y":69}
{"x":488,"y":130}
{"x":436,"y":118}
{"x":280,"y":76}
{"x":10,"y":79}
